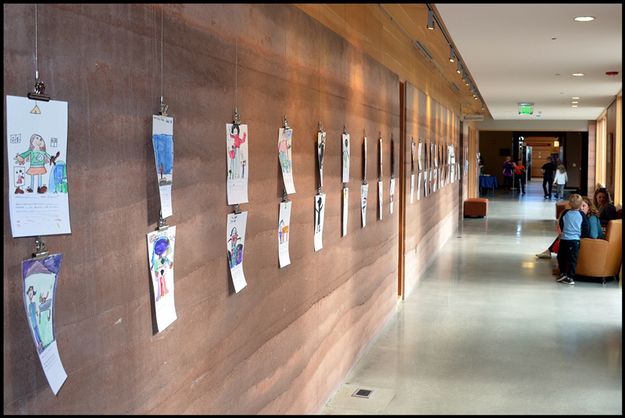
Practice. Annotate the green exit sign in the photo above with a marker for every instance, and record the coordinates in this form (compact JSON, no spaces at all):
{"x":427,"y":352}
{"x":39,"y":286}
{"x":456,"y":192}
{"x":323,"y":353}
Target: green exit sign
{"x":526,"y":108}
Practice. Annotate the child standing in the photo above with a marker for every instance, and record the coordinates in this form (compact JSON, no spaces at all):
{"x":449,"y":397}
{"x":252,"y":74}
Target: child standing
{"x":574,"y":226}
{"x":519,"y":176}
{"x":560,"y":181}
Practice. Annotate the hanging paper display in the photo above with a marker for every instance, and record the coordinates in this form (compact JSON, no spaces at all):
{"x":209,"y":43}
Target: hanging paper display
{"x":364,"y":190}
{"x":39,"y":279}
{"x":37,"y":167}
{"x":235,"y":245}
{"x":163,"y":143}
{"x":346,"y":156}
{"x":285,"y":136}
{"x":161,"y":245}
{"x":412,"y":178}
{"x":419,"y":180}
{"x":420,"y":156}
{"x":345,"y":210}
{"x":380,"y":199}
{"x":238,"y":164}
{"x":283,"y":233}
{"x":425,"y":184}
{"x":392,"y":195}
{"x":321,"y":150}
{"x":320,"y":204}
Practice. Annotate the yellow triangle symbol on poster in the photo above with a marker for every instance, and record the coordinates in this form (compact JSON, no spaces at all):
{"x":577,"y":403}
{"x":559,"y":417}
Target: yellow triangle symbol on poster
{"x":36,"y":110}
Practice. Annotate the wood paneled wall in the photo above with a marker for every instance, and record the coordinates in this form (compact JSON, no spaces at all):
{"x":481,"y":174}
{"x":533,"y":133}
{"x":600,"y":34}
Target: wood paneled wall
{"x":283,"y":343}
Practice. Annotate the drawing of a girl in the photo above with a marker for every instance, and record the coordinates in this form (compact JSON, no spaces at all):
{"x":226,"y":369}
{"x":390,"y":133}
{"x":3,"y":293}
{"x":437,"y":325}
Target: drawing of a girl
{"x":235,"y":152}
{"x":234,"y":237}
{"x":37,"y":156}
{"x":33,"y":316}
{"x":283,"y":152}
{"x":160,"y":260}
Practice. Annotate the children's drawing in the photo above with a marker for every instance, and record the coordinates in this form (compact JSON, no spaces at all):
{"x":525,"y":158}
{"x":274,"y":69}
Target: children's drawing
{"x":412,"y":178}
{"x":380,"y":199}
{"x":36,"y":143}
{"x":235,"y":247}
{"x":238,"y":165}
{"x":364,"y":190}
{"x":345,"y":210}
{"x":163,"y":144}
{"x":345,"y":146}
{"x":161,"y":246}
{"x":420,"y":156}
{"x":320,"y":200}
{"x":413,"y":151}
{"x":283,"y":233}
{"x":419,"y":181}
{"x":39,"y":279}
{"x":364,"y":159}
{"x":321,"y":150}
{"x":285,"y":136}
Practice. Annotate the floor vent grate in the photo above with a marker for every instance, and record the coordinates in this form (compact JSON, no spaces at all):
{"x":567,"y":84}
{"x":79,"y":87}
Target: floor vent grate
{"x":362,"y":393}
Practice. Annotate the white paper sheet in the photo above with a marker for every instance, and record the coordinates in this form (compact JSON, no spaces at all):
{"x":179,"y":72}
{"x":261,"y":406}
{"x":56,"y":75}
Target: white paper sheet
{"x":163,"y":145}
{"x":284,"y":222}
{"x":39,"y":279}
{"x":345,"y":211}
{"x":285,"y":158}
{"x":235,"y":246}
{"x":320,"y":207}
{"x":380,"y":199}
{"x":412,"y":188}
{"x":364,"y":191}
{"x":238,"y":163}
{"x":419,"y":181}
{"x":161,"y":246}
{"x":321,"y":152}
{"x":346,"y":156}
{"x":37,"y":167}
{"x":392,"y":195}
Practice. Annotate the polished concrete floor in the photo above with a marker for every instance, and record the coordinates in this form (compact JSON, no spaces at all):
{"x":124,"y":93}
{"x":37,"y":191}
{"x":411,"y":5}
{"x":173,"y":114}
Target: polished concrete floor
{"x":488,"y":330}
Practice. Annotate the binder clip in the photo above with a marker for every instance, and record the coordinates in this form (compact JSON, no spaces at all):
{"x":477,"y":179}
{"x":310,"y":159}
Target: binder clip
{"x":236,"y":209}
{"x":236,"y":119}
{"x":285,"y":123}
{"x":285,"y":196}
{"x":40,"y":248}
{"x":162,"y":222}
{"x":40,"y":91}
{"x":164,"y":108}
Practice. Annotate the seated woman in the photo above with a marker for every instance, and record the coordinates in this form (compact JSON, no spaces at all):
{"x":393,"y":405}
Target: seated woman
{"x":602,"y":201}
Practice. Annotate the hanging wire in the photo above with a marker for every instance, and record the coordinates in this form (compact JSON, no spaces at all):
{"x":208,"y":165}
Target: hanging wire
{"x":161,"y":55}
{"x":36,"y":51}
{"x":236,"y":73}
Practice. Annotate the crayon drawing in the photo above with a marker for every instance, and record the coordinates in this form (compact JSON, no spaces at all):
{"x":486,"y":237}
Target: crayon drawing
{"x":161,"y":246}
{"x":319,"y":205}
{"x":345,"y":211}
{"x":36,"y":156}
{"x":364,"y":190}
{"x":284,"y":222}
{"x":392,"y":195}
{"x":412,"y":176}
{"x":238,"y":165}
{"x":39,"y":279}
{"x":285,"y":158}
{"x":163,"y":144}
{"x":346,"y":156}
{"x":235,"y":247}
{"x":321,"y":150}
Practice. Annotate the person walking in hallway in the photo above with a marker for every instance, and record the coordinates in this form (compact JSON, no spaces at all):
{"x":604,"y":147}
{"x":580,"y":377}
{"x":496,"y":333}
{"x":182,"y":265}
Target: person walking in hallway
{"x":508,"y":170}
{"x":548,"y":169}
{"x":519,"y":176}
{"x":560,"y":181}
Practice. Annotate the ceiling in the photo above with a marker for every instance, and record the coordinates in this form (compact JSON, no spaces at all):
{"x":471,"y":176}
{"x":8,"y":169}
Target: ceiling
{"x":528,"y":53}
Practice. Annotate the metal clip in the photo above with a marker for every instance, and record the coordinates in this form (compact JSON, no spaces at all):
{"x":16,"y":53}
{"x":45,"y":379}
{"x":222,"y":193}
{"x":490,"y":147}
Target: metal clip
{"x":162,"y":222}
{"x":344,"y":129}
{"x":40,"y":248}
{"x":237,"y":209}
{"x":285,"y":123}
{"x":40,"y":92}
{"x":320,"y":126}
{"x":236,"y":119}
{"x":285,"y":196}
{"x":164,"y":108}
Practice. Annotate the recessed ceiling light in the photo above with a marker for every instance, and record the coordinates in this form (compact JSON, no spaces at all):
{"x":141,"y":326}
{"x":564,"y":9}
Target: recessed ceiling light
{"x":577,"y":74}
{"x":584,"y":18}
{"x":575,"y":98}
{"x":575,"y":102}
{"x":574,"y":106}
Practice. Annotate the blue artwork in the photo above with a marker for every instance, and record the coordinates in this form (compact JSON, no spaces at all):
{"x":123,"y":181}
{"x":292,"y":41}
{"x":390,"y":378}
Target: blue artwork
{"x":164,"y":156}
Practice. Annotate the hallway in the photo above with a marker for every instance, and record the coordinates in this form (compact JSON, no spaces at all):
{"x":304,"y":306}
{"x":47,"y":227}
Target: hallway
{"x":489,"y":331}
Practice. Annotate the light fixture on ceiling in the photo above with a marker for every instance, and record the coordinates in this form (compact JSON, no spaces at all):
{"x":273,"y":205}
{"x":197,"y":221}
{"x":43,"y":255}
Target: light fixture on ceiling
{"x":577,"y":74}
{"x":575,"y":98}
{"x":556,"y":143}
{"x":574,"y":102}
{"x":452,"y":55}
{"x":458,"y":68}
{"x":430,"y":19}
{"x":574,"y":105}
{"x":584,"y":18}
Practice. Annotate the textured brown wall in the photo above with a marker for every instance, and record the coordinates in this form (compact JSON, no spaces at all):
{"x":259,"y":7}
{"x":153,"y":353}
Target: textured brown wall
{"x":431,"y":220}
{"x":285,"y":341}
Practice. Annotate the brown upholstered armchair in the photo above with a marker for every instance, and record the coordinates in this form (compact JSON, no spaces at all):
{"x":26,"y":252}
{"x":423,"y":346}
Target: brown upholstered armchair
{"x":601,"y":258}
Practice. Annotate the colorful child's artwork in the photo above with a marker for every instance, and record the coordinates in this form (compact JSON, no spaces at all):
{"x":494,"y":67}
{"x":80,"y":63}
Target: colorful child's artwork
{"x":320,"y":207}
{"x":412,"y":177}
{"x":285,"y":136}
{"x":238,"y":164}
{"x":321,"y":151}
{"x":39,"y":278}
{"x":419,"y":181}
{"x":161,"y":245}
{"x":392,"y":195}
{"x":37,"y":155}
{"x":426,"y":190}
{"x":345,"y":210}
{"x":284,"y":222}
{"x":380,"y":199}
{"x":420,"y":156}
{"x":346,"y":156}
{"x":163,"y":144}
{"x":235,"y":245}
{"x":364,"y":190}
{"x":364,"y":159}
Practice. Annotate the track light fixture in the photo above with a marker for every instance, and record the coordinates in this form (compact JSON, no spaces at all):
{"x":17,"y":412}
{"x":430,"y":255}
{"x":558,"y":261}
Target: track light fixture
{"x":452,"y":55}
{"x":458,"y":68}
{"x":430,"y":19}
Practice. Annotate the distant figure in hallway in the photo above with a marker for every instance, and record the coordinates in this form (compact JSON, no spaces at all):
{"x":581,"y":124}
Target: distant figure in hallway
{"x":519,"y":176}
{"x":574,"y":225}
{"x":508,"y":170}
{"x":548,"y":169}
{"x":603,"y":202}
{"x":560,"y":181}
